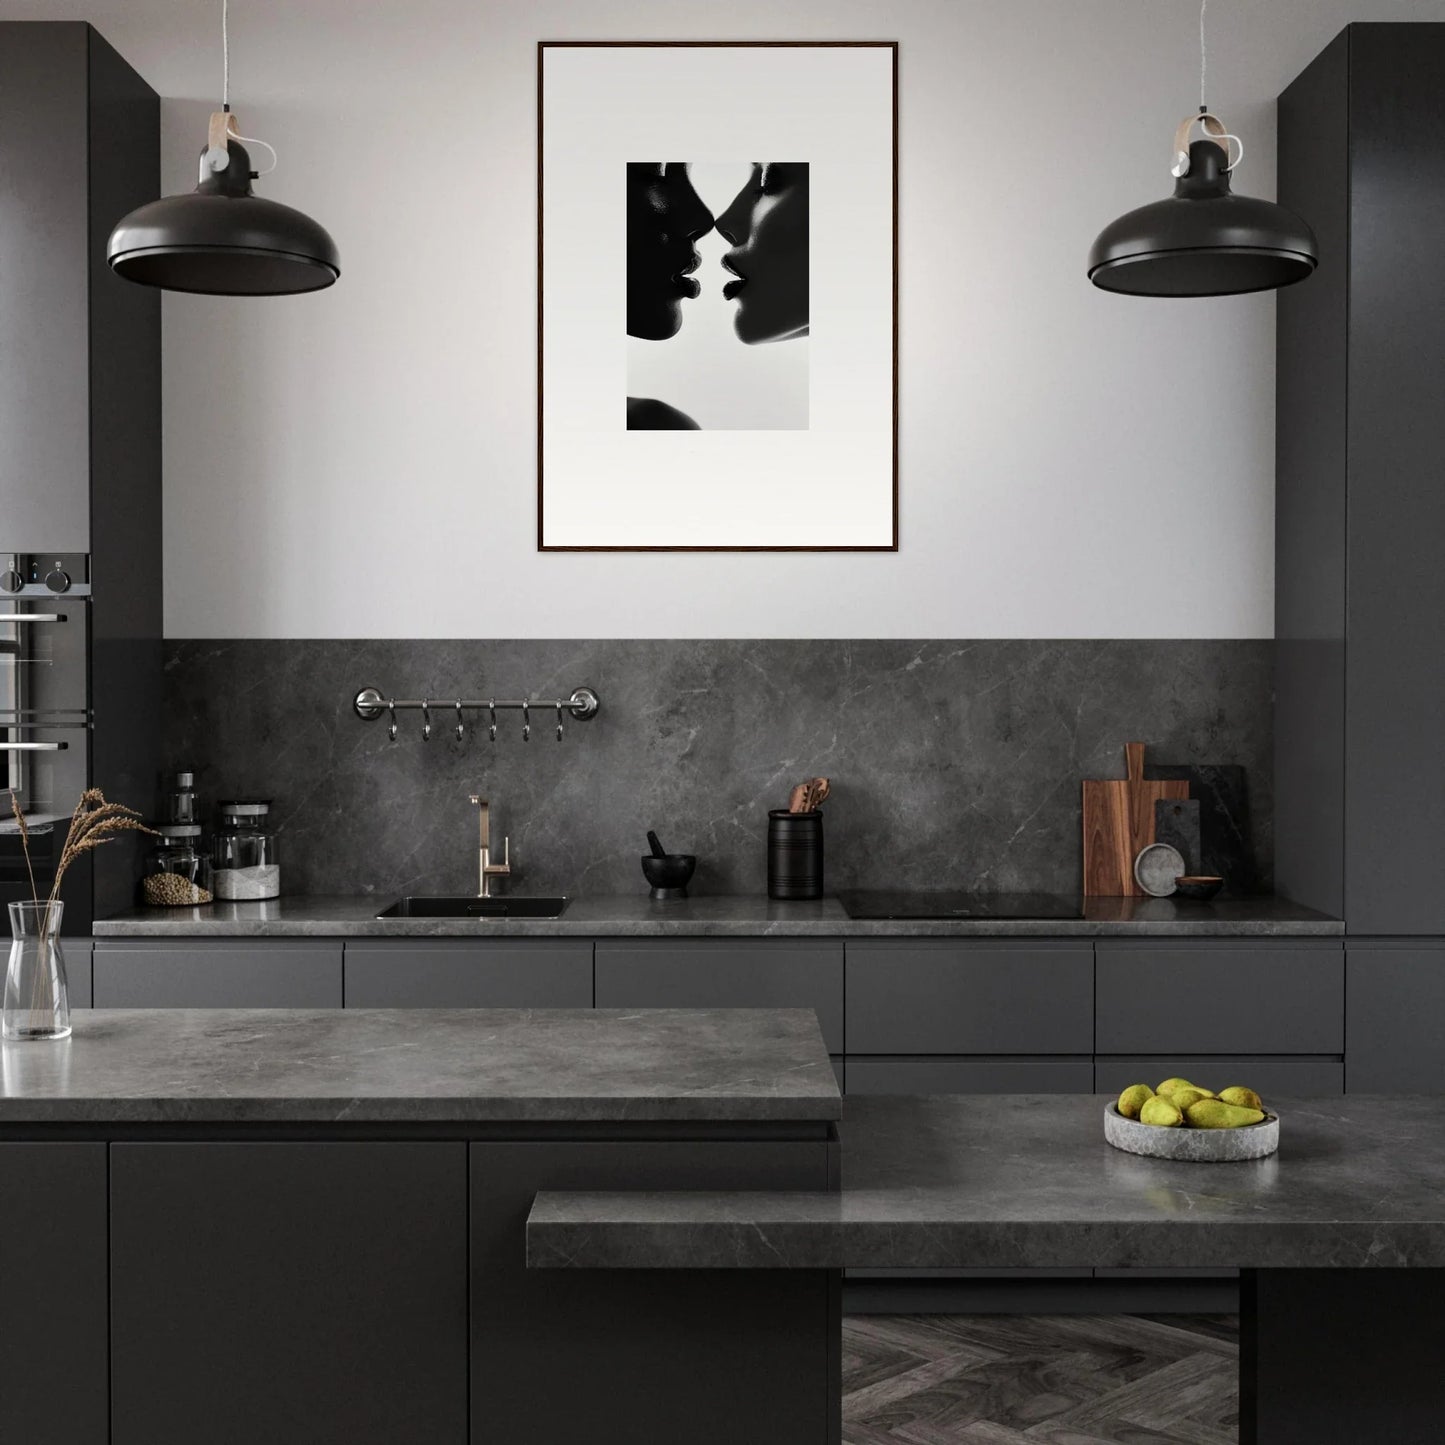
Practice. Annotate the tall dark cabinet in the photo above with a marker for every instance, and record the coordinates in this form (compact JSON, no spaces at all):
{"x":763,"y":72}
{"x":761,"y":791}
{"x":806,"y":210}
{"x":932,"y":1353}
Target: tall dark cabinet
{"x":80,"y":445}
{"x":1360,"y":525}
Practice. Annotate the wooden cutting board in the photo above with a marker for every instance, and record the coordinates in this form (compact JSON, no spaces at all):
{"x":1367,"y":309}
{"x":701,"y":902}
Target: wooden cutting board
{"x":1118,"y":822}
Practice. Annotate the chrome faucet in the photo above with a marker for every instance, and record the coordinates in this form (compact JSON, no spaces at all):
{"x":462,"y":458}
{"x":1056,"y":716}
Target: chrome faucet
{"x":486,"y":869}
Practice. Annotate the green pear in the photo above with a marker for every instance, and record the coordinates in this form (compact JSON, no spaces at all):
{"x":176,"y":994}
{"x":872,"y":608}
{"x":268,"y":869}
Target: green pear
{"x":1245,"y":1098}
{"x":1161,"y":1112}
{"x":1133,"y":1099}
{"x":1216,"y":1114}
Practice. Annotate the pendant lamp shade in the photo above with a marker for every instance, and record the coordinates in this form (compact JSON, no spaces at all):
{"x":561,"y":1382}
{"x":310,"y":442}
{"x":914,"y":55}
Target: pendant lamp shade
{"x":1203,"y":240}
{"x":223,"y":239}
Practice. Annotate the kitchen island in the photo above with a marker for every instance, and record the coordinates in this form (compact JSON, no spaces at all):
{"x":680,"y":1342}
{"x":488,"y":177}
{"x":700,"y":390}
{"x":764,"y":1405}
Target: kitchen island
{"x":309,"y":1226}
{"x":1341,"y":1235}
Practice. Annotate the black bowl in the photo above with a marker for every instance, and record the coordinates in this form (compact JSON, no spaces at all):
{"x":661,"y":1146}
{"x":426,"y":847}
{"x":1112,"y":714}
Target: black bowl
{"x":1200,"y":886}
{"x":669,"y":874}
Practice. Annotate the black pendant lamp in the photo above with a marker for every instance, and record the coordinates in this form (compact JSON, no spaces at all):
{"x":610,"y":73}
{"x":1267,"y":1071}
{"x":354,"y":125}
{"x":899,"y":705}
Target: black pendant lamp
{"x":223,"y":239}
{"x":1203,"y":240}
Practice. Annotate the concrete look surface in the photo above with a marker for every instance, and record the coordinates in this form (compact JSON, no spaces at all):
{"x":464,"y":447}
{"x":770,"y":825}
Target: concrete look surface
{"x":973,"y":1181}
{"x":721,"y":916}
{"x":357,"y":1066}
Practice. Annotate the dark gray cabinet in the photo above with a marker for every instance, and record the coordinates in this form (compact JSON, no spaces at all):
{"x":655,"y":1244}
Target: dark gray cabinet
{"x":944,"y":996}
{"x":970,"y":1076}
{"x":197,"y":973}
{"x":366,"y":1244}
{"x":1360,"y":694}
{"x":725,"y":973}
{"x":53,"y":1326}
{"x":671,"y":1374}
{"x":1159,"y":996}
{"x":510,"y":973}
{"x":77,"y":953}
{"x":1298,"y":1077}
{"x":1396,"y":1018}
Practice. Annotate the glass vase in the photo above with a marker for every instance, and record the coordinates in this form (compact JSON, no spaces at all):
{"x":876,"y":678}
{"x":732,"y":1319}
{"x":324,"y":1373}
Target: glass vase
{"x":37,"y":1001}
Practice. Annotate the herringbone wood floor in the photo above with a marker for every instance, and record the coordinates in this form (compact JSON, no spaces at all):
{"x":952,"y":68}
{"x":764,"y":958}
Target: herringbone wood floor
{"x":1040,"y":1380}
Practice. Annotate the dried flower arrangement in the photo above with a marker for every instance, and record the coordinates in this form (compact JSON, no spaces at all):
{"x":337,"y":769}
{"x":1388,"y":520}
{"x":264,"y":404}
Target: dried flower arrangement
{"x":93,"y":823}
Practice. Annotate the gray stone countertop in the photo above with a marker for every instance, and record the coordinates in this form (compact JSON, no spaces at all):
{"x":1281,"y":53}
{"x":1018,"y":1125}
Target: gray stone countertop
{"x":448,"y":1066}
{"x":963,"y":1181}
{"x":721,"y":916}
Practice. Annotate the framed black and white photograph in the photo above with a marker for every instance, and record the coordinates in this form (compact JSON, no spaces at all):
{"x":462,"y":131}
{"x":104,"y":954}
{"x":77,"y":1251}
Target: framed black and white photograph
{"x":717,"y":296}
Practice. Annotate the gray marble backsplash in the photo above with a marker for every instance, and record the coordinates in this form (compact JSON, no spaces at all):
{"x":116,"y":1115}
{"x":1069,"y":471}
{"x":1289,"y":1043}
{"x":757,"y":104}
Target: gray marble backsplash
{"x":954,"y":764}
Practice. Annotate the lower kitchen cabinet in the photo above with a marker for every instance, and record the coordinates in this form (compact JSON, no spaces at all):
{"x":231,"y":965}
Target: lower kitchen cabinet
{"x":947,"y":997}
{"x":366,"y":1243}
{"x":654,"y":1354}
{"x":511,"y":973}
{"x":77,"y":953}
{"x":1395,"y":1017}
{"x":970,"y":1076}
{"x":1285,"y":1077}
{"x":722,"y":973}
{"x":201,"y":973}
{"x":1236,"y":996}
{"x":53,"y":1325}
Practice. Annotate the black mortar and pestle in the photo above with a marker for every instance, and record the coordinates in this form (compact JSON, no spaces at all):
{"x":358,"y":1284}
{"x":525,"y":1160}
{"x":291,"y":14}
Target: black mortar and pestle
{"x":667,"y":872}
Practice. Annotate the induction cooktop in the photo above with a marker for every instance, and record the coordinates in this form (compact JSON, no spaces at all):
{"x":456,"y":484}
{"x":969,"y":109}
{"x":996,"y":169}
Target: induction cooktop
{"x":944,"y":904}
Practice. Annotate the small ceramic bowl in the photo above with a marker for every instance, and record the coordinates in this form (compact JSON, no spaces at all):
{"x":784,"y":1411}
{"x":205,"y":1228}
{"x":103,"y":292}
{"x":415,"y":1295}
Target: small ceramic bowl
{"x":669,"y":874}
{"x":1202,"y":886}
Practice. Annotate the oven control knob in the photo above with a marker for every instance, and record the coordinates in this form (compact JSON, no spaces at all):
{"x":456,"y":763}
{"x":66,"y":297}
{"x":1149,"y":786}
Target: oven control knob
{"x":58,"y":580}
{"x":11,"y":581}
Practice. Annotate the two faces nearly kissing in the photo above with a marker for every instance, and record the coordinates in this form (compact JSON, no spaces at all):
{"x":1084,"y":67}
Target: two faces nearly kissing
{"x":766,"y":226}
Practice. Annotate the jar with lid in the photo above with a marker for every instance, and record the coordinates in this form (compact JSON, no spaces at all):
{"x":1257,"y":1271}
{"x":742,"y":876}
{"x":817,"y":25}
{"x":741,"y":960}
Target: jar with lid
{"x":178,"y":869}
{"x":178,"y":798}
{"x":243,"y":852}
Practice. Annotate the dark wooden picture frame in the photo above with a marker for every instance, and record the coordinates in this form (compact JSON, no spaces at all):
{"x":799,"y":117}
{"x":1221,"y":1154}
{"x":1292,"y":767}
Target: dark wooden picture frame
{"x":542,"y":47}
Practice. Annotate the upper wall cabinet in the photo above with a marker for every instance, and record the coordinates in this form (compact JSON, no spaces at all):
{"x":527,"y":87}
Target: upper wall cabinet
{"x":1360,"y":690}
{"x":80,"y":374}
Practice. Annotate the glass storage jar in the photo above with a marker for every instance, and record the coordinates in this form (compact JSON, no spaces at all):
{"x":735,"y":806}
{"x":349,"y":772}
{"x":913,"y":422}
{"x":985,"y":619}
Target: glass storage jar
{"x":243,"y":853}
{"x":178,"y":869}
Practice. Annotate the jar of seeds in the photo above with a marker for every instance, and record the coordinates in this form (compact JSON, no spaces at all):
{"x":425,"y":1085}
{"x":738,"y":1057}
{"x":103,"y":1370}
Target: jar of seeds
{"x":177,"y":870}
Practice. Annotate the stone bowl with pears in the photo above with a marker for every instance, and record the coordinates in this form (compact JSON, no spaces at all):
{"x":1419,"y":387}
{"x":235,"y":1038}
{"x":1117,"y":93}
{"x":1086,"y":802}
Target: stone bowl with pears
{"x":1184,"y":1120}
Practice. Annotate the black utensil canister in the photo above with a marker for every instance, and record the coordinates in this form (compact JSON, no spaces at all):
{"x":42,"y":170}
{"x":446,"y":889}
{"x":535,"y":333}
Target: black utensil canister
{"x":795,"y":854}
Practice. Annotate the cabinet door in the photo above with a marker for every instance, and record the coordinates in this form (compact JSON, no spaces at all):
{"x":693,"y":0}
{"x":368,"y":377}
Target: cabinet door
{"x":711,"y":1357}
{"x":197,"y":973}
{"x":937,"y":996}
{"x":970,"y":1076}
{"x":1396,"y":1023}
{"x":44,"y":292}
{"x":515,"y":973}
{"x":1290,"y":1078}
{"x":712,"y":973}
{"x":1220,"y":998}
{"x":53,"y":1329}
{"x":297,"y":1293}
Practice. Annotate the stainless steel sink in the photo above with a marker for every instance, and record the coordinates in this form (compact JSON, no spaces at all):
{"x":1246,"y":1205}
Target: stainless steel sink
{"x":473,"y":907}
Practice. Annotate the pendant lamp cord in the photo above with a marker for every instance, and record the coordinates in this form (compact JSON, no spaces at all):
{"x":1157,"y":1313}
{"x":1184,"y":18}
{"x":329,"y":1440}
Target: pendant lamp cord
{"x":1203,"y":56}
{"x":226,"y":91}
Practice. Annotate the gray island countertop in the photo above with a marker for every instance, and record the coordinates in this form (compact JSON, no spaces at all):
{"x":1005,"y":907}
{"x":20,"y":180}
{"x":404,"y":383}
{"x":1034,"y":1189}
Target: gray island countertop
{"x":427,"y":1066}
{"x":964,"y":1181}
{"x":720,"y":916}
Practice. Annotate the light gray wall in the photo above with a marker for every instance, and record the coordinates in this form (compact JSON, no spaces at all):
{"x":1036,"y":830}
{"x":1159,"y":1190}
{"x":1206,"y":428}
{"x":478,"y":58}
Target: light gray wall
{"x":323,"y":452}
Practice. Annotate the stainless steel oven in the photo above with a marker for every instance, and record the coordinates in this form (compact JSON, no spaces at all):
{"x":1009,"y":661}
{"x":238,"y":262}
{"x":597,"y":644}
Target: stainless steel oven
{"x":45,"y":718}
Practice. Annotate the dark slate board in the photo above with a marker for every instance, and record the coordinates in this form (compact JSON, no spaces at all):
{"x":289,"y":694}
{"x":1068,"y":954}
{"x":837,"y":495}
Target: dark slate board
{"x":1176,"y":822}
{"x":1224,"y":832}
